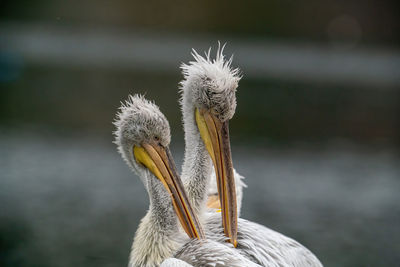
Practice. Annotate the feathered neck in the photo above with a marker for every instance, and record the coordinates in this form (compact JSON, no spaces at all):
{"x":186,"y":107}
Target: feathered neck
{"x":197,"y":165}
{"x":158,"y":235}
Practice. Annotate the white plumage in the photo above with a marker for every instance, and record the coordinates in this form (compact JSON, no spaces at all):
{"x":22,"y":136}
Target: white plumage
{"x":208,"y":253}
{"x":211,"y":84}
{"x":159,"y":234}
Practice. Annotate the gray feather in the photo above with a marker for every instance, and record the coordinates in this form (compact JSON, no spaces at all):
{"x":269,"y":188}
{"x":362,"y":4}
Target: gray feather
{"x":159,"y":235}
{"x":212,"y":84}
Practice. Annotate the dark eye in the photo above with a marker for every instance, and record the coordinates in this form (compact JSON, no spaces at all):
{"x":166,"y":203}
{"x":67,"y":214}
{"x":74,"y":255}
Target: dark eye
{"x":157,"y":140}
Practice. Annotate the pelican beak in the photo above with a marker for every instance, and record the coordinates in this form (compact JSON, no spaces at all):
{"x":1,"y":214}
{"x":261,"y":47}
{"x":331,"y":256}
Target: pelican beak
{"x":215,"y":135}
{"x":159,"y":161}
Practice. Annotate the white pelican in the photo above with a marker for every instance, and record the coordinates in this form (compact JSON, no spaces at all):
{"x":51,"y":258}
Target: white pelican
{"x":208,"y":103}
{"x":143,"y":137}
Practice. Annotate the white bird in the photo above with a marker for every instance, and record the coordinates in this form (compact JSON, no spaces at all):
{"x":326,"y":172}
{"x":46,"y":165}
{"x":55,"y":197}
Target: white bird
{"x":143,"y":137}
{"x":208,"y":103}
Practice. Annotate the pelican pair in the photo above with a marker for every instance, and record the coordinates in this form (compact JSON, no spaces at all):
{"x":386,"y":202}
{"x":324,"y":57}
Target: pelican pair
{"x":208,"y":102}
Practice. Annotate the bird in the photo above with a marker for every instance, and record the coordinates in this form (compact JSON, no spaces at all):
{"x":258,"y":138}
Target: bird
{"x":142,"y":137}
{"x":208,"y":102}
{"x":207,"y":134}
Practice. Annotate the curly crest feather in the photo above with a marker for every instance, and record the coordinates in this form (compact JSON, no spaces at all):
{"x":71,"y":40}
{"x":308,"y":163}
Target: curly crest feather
{"x":211,"y":83}
{"x":139,"y":120}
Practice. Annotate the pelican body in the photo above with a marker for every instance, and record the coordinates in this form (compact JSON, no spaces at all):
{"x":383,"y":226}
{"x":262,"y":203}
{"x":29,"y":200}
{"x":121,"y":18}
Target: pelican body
{"x":208,"y":102}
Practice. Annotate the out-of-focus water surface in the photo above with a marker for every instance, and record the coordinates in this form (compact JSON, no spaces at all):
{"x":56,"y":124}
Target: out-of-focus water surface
{"x":72,"y":201}
{"x":315,"y":133}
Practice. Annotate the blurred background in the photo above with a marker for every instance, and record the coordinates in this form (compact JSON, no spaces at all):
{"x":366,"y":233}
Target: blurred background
{"x":316,"y":131}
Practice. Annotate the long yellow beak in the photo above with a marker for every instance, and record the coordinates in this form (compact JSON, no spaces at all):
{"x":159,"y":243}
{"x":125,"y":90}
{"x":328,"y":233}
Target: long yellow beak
{"x":159,"y":161}
{"x":215,"y":135}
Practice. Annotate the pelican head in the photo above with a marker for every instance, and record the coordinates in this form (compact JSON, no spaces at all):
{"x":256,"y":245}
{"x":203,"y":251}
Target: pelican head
{"x":140,"y":122}
{"x":212,"y":84}
{"x":143,"y":137}
{"x":209,"y":87}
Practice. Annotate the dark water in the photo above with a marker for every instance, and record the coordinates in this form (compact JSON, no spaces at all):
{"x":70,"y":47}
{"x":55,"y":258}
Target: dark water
{"x":73,"y":202}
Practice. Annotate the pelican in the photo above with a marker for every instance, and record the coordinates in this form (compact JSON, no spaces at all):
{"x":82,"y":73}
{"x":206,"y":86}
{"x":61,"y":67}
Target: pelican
{"x":208,"y":102}
{"x":143,"y":137}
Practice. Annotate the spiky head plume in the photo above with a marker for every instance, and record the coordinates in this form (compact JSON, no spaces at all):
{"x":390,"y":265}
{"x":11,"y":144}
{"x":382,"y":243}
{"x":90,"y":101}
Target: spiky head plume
{"x":211,"y":83}
{"x":138,"y":121}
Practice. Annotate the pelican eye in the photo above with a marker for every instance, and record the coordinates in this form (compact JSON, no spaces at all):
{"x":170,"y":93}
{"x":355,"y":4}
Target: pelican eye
{"x":158,"y":140}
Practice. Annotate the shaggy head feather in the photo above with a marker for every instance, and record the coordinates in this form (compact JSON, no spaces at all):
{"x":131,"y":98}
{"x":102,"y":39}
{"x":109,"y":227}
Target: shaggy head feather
{"x":139,"y":121}
{"x":211,"y":83}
